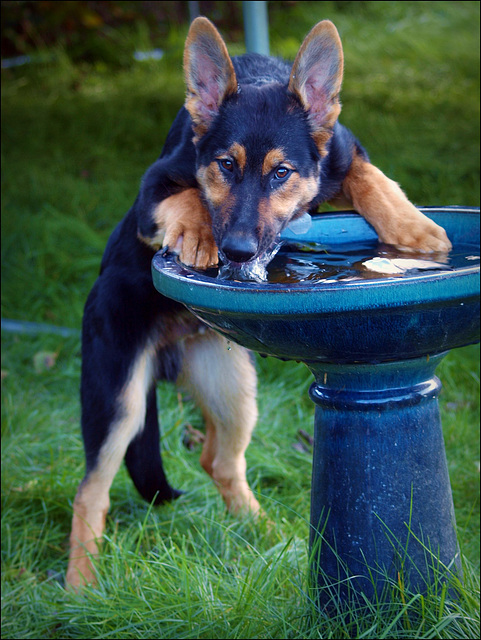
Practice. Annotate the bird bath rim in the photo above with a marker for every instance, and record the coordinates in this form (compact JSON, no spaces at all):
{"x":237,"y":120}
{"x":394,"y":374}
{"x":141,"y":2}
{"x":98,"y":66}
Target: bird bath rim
{"x":201,"y":291}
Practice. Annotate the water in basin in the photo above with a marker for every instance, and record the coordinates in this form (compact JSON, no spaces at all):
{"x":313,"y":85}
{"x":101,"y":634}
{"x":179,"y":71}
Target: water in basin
{"x":313,"y":262}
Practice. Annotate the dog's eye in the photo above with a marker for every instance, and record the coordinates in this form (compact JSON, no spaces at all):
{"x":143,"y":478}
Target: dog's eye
{"x":226,"y":164}
{"x":282,"y":173}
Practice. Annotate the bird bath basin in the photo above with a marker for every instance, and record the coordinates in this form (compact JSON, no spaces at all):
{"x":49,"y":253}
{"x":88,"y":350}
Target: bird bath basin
{"x":381,"y":503}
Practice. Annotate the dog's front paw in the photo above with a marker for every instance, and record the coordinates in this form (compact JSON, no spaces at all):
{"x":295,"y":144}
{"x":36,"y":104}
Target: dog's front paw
{"x":186,"y":228}
{"x":411,"y":230}
{"x":384,"y":205}
{"x":193,"y":242}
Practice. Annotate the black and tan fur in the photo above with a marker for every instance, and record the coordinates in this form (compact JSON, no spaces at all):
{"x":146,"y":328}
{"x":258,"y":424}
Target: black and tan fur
{"x":257,"y":144}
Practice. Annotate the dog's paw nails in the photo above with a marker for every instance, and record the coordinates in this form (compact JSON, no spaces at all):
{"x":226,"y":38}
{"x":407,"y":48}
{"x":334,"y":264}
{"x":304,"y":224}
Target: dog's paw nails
{"x":172,"y":244}
{"x":207,"y":257}
{"x":177,"y":247}
{"x":199,"y":255}
{"x":440,"y":244}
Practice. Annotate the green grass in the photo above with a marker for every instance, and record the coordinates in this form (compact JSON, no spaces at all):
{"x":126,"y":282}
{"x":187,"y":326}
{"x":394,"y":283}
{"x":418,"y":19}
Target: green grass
{"x":76,"y":140}
{"x":189,"y":570}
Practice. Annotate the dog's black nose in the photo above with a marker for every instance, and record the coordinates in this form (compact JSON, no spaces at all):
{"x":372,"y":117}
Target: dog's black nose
{"x":239,"y":247}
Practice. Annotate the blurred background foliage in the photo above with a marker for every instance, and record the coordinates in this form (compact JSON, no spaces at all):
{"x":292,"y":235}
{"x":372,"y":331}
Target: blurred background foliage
{"x":93,"y":31}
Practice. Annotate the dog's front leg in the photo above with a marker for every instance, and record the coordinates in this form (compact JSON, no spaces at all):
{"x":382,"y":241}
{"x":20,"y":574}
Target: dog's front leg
{"x":384,"y":205}
{"x":222,"y":378}
{"x":184,"y":225}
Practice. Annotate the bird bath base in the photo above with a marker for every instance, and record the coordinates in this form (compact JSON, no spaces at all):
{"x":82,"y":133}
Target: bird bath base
{"x":381,"y":503}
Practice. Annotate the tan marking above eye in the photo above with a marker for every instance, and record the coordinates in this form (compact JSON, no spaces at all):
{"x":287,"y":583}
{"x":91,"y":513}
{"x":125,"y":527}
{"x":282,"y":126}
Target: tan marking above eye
{"x":238,"y":152}
{"x":215,"y":187}
{"x":272,"y":159}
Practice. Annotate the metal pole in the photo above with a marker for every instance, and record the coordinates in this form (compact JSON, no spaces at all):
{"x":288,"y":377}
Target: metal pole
{"x":256,"y":27}
{"x":194,"y":10}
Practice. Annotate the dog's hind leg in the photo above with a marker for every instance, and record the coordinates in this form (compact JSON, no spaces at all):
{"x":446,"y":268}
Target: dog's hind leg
{"x":222,"y":378}
{"x":103,"y":461}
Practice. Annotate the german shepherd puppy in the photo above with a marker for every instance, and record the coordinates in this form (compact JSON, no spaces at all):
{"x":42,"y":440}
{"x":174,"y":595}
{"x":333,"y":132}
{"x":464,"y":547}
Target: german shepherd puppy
{"x":256,"y":145}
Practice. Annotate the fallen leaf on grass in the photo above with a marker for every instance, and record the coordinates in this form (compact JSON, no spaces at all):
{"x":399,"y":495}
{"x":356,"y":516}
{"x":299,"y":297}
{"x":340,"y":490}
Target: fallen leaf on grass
{"x":44,"y":360}
{"x":192,"y":437}
{"x":306,"y":442}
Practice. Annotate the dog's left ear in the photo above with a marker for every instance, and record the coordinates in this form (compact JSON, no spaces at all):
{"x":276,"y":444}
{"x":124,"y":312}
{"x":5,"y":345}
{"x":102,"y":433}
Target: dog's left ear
{"x":316,"y":79}
{"x":209,"y":73}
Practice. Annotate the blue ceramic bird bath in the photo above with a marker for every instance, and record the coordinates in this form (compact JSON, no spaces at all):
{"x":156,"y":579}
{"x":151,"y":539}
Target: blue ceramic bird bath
{"x":381,"y":503}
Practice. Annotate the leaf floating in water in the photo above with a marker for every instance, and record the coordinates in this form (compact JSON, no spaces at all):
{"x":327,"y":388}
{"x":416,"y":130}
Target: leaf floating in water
{"x":382,"y":265}
{"x":401,"y":265}
{"x":406,"y":264}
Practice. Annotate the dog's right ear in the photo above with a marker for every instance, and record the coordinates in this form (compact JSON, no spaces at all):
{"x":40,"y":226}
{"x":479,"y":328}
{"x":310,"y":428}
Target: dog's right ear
{"x":209,"y":73}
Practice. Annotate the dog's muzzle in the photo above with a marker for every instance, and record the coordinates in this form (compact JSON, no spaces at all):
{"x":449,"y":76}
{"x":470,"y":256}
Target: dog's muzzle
{"x":239,"y":247}
{"x":254,"y":270}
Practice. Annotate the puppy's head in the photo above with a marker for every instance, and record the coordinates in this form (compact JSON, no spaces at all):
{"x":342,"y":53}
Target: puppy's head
{"x":259,"y":146}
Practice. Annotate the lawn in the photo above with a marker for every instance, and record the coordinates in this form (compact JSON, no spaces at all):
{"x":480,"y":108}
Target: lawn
{"x":77,"y":136}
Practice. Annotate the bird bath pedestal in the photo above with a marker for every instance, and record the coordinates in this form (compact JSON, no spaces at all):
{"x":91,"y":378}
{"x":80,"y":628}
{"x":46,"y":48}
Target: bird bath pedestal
{"x":381,"y":503}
